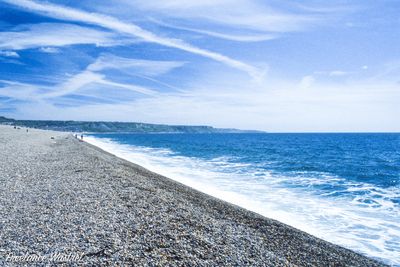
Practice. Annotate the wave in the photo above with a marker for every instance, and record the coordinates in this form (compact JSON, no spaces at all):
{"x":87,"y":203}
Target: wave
{"x":358,"y":216}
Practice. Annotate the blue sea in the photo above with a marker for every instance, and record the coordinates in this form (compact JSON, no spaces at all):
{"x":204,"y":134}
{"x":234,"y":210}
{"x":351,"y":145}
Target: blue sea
{"x":344,"y":188}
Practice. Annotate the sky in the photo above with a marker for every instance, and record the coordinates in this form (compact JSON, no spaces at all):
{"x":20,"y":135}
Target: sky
{"x":277,"y":66}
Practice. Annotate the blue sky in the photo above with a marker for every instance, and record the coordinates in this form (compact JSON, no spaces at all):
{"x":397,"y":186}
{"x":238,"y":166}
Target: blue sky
{"x":251,"y":64}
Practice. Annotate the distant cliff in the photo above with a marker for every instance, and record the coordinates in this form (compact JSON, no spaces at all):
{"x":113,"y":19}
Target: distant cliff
{"x":115,"y":127}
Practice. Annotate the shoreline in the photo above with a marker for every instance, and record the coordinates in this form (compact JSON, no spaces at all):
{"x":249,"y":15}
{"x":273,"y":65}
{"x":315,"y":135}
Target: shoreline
{"x":128,"y":214}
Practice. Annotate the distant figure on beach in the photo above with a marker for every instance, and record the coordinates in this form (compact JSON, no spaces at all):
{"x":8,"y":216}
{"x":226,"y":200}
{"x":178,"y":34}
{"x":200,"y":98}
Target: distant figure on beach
{"x":81,"y":136}
{"x":76,"y":136}
{"x":27,"y":130}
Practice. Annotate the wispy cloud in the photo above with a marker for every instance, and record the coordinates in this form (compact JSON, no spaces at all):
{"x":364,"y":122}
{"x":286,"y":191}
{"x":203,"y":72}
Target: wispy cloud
{"x":248,"y":14}
{"x":136,"y":66}
{"x":49,"y":35}
{"x":40,"y":94}
{"x":92,"y":75}
{"x":50,"y":50}
{"x":227,"y":36}
{"x":338,"y":73}
{"x":134,"y":88}
{"x":334,"y":73}
{"x":73,"y":84}
{"x":9,"y":54}
{"x":71,"y":14}
{"x":18,"y":91}
{"x":85,"y":78}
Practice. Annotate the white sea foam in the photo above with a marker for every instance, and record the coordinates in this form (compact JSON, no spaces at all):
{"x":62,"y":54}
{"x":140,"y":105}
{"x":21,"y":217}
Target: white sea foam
{"x":367,"y":222}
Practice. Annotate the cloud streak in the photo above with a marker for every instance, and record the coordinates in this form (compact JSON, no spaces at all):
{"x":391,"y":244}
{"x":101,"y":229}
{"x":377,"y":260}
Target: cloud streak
{"x":49,"y":50}
{"x":230,"y":37}
{"x":135,"y":66}
{"x":9,"y":54}
{"x":54,"y":35}
{"x":253,"y":15}
{"x":93,"y":74}
{"x":71,"y":14}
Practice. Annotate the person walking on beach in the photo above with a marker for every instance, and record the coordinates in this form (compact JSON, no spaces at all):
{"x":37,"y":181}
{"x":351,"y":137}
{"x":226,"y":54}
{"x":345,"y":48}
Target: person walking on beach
{"x":81,"y":136}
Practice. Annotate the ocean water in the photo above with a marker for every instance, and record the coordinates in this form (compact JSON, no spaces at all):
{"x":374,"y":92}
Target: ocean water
{"x":344,"y":188}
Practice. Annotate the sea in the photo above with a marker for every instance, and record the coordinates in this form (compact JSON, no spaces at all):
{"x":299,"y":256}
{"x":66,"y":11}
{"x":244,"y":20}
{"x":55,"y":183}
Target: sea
{"x":341,"y":187}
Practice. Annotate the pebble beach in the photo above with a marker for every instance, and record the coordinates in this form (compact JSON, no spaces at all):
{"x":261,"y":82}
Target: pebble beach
{"x":62,"y":196}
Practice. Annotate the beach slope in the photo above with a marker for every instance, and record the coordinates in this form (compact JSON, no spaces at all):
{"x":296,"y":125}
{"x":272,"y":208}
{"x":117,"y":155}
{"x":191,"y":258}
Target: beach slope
{"x":60,"y":195}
